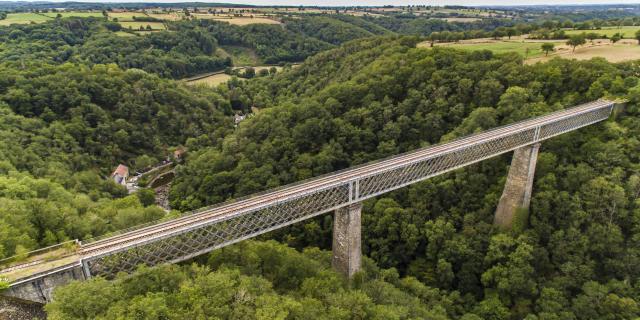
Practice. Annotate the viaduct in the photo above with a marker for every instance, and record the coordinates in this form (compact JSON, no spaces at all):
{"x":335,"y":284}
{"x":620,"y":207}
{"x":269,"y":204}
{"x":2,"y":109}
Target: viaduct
{"x":214,"y":227}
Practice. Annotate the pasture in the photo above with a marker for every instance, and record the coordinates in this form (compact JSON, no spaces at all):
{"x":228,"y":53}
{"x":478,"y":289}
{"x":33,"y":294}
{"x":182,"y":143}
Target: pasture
{"x":618,"y":52}
{"x":24,"y":18}
{"x":526,"y":49}
{"x":626,"y":31}
{"x":125,"y":16}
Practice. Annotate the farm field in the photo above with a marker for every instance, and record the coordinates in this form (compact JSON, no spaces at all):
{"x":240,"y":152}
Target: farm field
{"x":622,"y":51}
{"x":166,"y":16}
{"x":80,"y":14}
{"x":521,"y":48}
{"x":135,"y":25}
{"x":626,"y":31}
{"x":125,"y":16}
{"x":613,"y":53}
{"x":23,"y":18}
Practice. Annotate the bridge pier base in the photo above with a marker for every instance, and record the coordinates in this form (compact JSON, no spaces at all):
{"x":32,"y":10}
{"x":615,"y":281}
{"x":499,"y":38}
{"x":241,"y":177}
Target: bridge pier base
{"x":517,"y":190}
{"x":346,"y":240}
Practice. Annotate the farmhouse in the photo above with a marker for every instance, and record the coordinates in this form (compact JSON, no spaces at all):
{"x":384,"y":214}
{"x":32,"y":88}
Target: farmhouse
{"x":121,"y":174}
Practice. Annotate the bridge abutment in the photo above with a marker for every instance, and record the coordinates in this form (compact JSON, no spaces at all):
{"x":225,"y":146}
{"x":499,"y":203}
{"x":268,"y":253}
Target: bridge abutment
{"x":346,"y":240}
{"x":518,"y":187}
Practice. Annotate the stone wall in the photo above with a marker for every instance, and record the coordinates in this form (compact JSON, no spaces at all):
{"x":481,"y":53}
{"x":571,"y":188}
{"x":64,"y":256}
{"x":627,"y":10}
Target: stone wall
{"x":40,"y":288}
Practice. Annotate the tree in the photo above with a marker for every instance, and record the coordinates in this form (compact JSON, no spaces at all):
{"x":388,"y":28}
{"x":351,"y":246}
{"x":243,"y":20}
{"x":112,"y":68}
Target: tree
{"x":547,"y":47}
{"x":616,"y":37}
{"x":638,"y":36}
{"x":592,"y":36}
{"x":249,"y":73}
{"x":576,"y":40}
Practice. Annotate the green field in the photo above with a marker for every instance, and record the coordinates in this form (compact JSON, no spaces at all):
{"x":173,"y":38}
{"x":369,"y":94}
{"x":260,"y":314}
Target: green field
{"x":241,"y":56}
{"x":125,"y":16}
{"x":23,"y":18}
{"x":627,"y":32}
{"x":80,"y":14}
{"x":136,"y":25}
{"x":506,"y":46}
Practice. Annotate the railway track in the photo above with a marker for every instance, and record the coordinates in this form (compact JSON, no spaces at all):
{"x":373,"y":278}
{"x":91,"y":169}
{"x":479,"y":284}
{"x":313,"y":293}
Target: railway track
{"x":162,"y":229}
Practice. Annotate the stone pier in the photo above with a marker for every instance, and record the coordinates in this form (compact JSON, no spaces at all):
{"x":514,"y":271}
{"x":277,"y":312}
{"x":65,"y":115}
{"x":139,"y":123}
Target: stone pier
{"x":518,"y":187}
{"x":346,"y":239}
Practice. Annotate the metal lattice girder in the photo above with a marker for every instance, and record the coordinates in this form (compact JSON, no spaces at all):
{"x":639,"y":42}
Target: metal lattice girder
{"x":215,"y":227}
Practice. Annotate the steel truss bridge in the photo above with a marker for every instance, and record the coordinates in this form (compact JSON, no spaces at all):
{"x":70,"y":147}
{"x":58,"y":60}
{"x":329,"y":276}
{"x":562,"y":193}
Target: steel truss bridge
{"x":220,"y":225}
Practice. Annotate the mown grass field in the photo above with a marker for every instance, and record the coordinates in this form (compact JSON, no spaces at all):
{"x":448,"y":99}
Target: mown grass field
{"x":627,"y":31}
{"x":23,"y":18}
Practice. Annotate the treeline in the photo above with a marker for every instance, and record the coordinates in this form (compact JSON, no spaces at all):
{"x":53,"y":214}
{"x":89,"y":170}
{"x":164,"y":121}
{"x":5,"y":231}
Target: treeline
{"x":280,"y":283}
{"x":272,"y":43}
{"x":574,"y":256}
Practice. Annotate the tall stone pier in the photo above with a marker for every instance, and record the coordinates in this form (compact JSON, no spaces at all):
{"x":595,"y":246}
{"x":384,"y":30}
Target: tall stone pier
{"x":517,"y":189}
{"x":346,"y":239}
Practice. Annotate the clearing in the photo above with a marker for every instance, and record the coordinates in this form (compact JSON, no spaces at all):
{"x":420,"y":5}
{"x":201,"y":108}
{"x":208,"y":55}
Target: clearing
{"x":241,"y":56}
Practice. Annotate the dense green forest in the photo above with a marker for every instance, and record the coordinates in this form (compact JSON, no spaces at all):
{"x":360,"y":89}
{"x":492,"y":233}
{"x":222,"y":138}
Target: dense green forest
{"x":576,"y":257}
{"x":71,"y":109}
{"x":63,"y":128}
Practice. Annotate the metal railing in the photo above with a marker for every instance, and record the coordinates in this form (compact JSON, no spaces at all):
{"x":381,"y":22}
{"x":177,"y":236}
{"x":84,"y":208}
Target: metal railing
{"x":220,"y":225}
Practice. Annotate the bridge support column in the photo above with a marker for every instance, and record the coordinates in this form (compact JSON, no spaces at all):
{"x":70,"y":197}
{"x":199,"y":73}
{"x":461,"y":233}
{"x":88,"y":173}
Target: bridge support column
{"x":517,"y":190}
{"x":346,"y":239}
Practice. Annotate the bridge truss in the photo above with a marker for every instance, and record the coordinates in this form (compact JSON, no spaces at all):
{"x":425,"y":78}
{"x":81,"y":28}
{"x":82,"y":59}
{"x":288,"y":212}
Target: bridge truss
{"x":221,"y":225}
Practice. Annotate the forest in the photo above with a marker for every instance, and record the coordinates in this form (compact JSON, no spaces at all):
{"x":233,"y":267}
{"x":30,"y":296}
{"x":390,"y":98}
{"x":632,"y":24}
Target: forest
{"x":70,"y":112}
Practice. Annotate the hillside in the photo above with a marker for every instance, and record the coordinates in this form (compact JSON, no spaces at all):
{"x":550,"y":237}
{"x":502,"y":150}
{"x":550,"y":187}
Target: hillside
{"x":78,"y":97}
{"x":579,"y":240}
